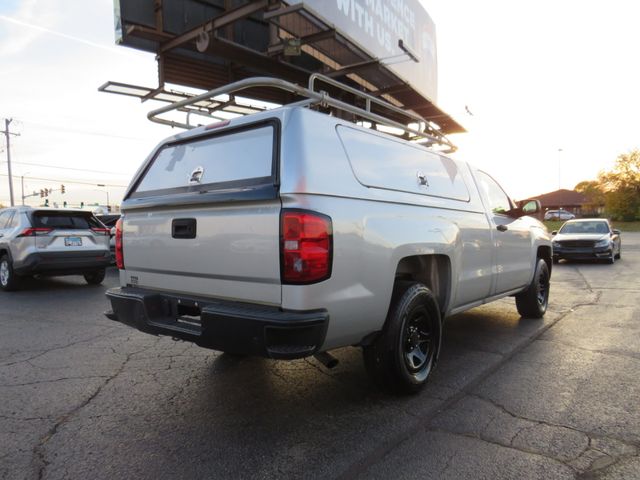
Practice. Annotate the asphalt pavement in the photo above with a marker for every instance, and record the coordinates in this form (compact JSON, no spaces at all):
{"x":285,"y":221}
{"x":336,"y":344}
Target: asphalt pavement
{"x":85,"y":397}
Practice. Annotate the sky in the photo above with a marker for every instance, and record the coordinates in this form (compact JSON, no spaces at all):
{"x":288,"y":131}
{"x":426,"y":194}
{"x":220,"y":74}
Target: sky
{"x":552,"y":87}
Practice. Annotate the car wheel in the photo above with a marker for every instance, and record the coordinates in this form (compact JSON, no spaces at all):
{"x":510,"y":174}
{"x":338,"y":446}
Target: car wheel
{"x":612,"y":258}
{"x":9,"y":281}
{"x":533,"y":302}
{"x":401,"y":359}
{"x":95,"y":278}
{"x":619,"y":255}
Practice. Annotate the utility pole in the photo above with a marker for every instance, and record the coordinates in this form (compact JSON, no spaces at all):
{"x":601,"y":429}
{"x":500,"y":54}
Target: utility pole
{"x":8,"y":134}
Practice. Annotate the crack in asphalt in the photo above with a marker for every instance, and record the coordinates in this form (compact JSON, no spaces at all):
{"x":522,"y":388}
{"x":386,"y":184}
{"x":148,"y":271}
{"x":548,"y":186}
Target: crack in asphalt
{"x":39,"y":450}
{"x":53,"y":349}
{"x":38,"y":382}
{"x":617,"y":354}
{"x":500,"y":444}
{"x":23,"y":419}
{"x":594,"y":469}
{"x":589,"y":434}
{"x":447,"y":465}
{"x":533,"y":423}
{"x":584,"y":279}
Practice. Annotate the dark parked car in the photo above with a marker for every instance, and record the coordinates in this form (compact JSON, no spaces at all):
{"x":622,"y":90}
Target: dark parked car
{"x":587,"y":239}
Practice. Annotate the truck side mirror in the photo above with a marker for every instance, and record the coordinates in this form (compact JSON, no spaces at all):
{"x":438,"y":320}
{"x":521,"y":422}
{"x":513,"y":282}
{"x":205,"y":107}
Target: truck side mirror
{"x":530,"y":207}
{"x":526,"y":207}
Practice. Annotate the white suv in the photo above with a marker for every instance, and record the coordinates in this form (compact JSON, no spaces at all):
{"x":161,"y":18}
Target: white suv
{"x":48,"y":241}
{"x":558,"y":215}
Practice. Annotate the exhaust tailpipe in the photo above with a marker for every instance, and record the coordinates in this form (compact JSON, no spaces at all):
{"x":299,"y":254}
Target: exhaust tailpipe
{"x":326,"y":359}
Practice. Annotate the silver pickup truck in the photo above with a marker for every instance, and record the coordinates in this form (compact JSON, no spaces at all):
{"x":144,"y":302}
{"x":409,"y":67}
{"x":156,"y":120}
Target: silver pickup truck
{"x":292,"y":232}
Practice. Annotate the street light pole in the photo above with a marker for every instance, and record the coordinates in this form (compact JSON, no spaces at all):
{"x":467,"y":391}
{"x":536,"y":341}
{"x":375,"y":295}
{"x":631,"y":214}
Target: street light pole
{"x":22,"y":185}
{"x":559,"y":158}
{"x":105,"y":191}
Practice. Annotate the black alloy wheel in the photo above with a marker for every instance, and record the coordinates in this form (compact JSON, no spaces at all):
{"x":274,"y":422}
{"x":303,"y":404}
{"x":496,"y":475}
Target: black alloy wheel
{"x":417,"y":342}
{"x":533,"y":302}
{"x":402,"y":357}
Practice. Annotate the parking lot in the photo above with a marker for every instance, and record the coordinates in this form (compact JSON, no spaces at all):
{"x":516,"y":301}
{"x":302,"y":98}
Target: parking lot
{"x":85,"y":397}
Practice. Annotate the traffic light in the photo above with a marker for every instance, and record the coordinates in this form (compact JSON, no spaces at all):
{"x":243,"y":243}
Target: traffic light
{"x":46,"y":202}
{"x":81,"y":204}
{"x":61,"y":188}
{"x":64,"y":204}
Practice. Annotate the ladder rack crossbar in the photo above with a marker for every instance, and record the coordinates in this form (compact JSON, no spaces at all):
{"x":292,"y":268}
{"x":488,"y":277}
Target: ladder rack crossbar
{"x":425,"y":133}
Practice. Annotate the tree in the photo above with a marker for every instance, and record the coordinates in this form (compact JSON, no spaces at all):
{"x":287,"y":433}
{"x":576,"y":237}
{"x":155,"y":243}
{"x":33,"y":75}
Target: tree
{"x":622,"y":187}
{"x":592,"y":189}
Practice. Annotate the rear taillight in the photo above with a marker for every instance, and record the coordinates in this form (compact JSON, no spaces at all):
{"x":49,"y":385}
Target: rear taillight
{"x":101,"y":231}
{"x":306,"y":244}
{"x":119,"y":250}
{"x":35,"y":232}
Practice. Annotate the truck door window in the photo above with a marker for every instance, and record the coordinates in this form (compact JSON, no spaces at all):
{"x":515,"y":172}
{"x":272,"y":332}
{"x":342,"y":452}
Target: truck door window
{"x":498,"y":200}
{"x":381,"y":162}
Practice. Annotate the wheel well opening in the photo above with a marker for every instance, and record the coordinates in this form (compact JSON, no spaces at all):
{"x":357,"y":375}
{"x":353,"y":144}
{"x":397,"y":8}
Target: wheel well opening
{"x":434,"y":271}
{"x":545,"y":254}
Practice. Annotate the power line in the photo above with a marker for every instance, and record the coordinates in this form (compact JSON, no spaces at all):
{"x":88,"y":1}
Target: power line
{"x":86,"y":132}
{"x":69,"y":168}
{"x":70,"y":181}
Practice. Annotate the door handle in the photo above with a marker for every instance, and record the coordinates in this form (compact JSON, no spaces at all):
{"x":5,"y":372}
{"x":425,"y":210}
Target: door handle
{"x":183,"y":228}
{"x":502,"y":228}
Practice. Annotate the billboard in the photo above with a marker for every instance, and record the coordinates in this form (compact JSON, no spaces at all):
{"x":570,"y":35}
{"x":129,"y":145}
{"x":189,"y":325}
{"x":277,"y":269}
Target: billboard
{"x":377,"y":26}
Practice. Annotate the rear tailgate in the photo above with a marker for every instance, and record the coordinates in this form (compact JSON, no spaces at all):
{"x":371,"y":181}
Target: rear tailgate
{"x":203,"y":217}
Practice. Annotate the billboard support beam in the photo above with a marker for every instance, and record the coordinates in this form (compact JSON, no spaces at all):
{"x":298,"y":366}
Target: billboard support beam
{"x":225,"y":19}
{"x":283,"y":11}
{"x":307,"y":39}
{"x":235,"y":52}
{"x":353,"y":68}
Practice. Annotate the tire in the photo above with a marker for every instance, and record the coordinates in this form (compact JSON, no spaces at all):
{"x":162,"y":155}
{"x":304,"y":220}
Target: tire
{"x":9,"y":281}
{"x":612,"y":258}
{"x":402,"y":358}
{"x":619,"y":255}
{"x":533,"y":302}
{"x":95,"y":278}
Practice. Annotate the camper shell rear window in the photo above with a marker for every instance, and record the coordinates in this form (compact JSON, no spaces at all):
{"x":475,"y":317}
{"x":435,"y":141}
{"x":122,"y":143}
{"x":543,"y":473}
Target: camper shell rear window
{"x":232,"y":158}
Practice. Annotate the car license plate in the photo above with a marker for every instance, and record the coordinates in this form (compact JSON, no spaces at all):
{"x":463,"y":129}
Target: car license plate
{"x":72,"y":241}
